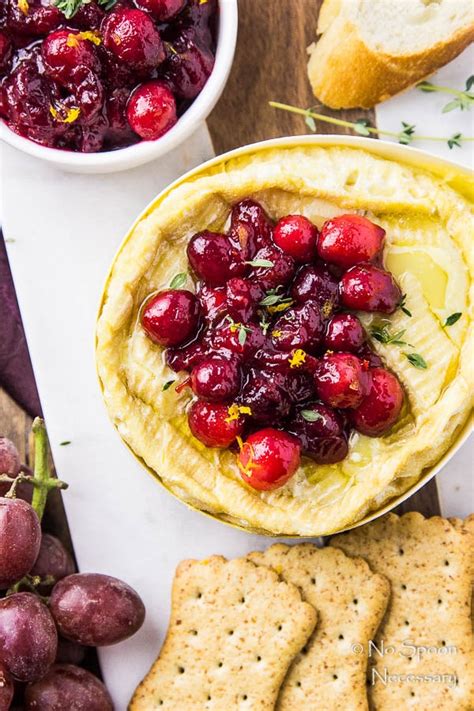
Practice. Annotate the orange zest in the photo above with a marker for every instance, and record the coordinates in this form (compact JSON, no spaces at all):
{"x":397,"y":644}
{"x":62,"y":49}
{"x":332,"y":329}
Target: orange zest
{"x":23,"y":6}
{"x":246,"y":469}
{"x":235,"y":411}
{"x":297,"y":358}
{"x":73,"y":39}
{"x":64,"y":115}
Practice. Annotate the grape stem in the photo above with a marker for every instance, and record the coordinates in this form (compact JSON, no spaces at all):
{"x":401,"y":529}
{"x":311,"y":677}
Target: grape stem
{"x":43,"y":482}
{"x":31,"y":582}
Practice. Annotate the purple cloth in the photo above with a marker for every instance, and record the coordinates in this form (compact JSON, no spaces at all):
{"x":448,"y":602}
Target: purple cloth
{"x":16,"y":372}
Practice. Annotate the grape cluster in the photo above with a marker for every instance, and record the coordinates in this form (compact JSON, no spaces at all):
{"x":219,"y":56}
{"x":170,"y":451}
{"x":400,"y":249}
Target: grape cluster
{"x":49,"y":614}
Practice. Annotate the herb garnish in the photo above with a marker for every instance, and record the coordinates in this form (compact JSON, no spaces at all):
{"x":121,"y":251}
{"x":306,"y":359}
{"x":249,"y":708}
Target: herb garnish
{"x":65,"y":443}
{"x":406,"y":135}
{"x":311,"y":416}
{"x":417,"y":360}
{"x":178,"y":281}
{"x":260,"y":263}
{"x":383,"y":335}
{"x":70,"y":7}
{"x":242,"y":330}
{"x":274,"y":299}
{"x":168,"y":384}
{"x":463,"y":100}
{"x":451,"y":320}
{"x":403,"y":307}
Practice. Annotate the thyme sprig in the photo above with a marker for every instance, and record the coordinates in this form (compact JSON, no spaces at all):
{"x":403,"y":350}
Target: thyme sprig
{"x":463,"y":99}
{"x":70,"y":7}
{"x":406,"y":135}
{"x":382,"y":335}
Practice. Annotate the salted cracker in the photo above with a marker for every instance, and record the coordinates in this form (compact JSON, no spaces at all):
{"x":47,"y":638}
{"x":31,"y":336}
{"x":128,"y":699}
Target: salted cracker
{"x":234,"y":630}
{"x":425,"y":656}
{"x":330,"y":672}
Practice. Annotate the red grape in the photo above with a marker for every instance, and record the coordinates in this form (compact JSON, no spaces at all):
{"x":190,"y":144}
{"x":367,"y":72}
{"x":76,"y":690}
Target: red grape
{"x":96,"y":610}
{"x":20,"y":538}
{"x":66,"y":687}
{"x":53,"y":559}
{"x":9,"y":457}
{"x":28,"y":637}
{"x":6,"y":689}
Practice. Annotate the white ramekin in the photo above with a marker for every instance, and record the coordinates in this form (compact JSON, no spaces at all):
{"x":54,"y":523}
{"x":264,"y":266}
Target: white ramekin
{"x":145,"y":151}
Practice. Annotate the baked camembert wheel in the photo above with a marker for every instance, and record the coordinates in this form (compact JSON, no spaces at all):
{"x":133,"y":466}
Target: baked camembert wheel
{"x":285,"y":337}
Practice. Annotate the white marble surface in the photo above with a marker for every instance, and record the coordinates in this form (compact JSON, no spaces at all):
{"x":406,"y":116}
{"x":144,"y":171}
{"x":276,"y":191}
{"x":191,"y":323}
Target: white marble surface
{"x":64,"y":230}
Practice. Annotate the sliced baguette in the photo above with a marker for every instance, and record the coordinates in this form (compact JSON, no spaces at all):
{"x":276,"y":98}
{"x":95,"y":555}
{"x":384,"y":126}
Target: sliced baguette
{"x":370,"y":50}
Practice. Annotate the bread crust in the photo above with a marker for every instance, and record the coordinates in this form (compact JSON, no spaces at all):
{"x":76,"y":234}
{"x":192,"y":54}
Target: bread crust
{"x":345,"y":73}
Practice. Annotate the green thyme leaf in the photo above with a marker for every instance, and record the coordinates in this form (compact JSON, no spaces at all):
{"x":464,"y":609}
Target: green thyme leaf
{"x":455,"y":140}
{"x":425,"y":86}
{"x":405,"y":136}
{"x":311,"y":123}
{"x":70,"y":7}
{"x":178,"y":281}
{"x":451,"y":105}
{"x":311,"y":416}
{"x":65,"y":443}
{"x":453,"y":318}
{"x":361,"y":126}
{"x":168,"y":384}
{"x":403,"y":307}
{"x":382,"y":335}
{"x":264,"y":325}
{"x":243,"y":334}
{"x":260,"y":263}
{"x":417,"y":360}
{"x":469,"y":82}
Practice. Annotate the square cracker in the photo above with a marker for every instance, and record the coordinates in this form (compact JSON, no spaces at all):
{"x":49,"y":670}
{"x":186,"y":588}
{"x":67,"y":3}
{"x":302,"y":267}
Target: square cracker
{"x":330,"y":673}
{"x":234,"y":630}
{"x":426,"y":632}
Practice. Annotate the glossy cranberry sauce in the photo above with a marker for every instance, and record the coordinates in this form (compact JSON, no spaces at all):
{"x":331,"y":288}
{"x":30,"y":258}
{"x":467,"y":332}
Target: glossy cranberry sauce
{"x":110,"y":75}
{"x":273,"y":348}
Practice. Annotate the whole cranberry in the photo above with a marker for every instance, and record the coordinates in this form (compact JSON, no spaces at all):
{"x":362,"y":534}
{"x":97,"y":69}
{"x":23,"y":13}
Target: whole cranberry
{"x":320,"y":430}
{"x":268,"y":358}
{"x":5,"y":51}
{"x":214,"y":424}
{"x":213,"y":301}
{"x":198,"y":19}
{"x":269,"y":458}
{"x":162,"y":10}
{"x":368,"y":288}
{"x":278,"y":274}
{"x":299,"y":327}
{"x":348,"y":240}
{"x":342,"y":380}
{"x":296,"y":236}
{"x":151,"y":110}
{"x":188,"y":71}
{"x":380,"y":409}
{"x":316,"y":282}
{"x":186,"y":357}
{"x":344,"y":333}
{"x":250,"y":228}
{"x":300,"y":385}
{"x":212,"y":258}
{"x":131,"y":36}
{"x":36,"y":18}
{"x":243,"y":297}
{"x":216,"y":379}
{"x":88,"y":16}
{"x":242,"y":340}
{"x":171,"y":317}
{"x":63,"y":51}
{"x":266,"y":395}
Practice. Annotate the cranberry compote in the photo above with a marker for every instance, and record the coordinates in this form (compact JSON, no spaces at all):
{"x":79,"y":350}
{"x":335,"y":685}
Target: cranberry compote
{"x":277,"y":362}
{"x":106,"y":76}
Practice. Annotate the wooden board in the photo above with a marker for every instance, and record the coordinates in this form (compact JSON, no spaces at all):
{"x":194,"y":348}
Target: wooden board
{"x":270,"y":65}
